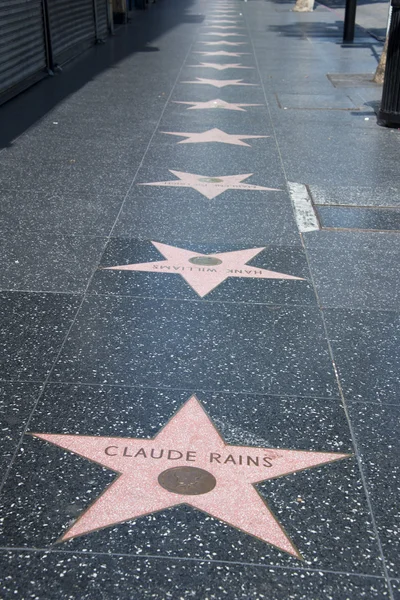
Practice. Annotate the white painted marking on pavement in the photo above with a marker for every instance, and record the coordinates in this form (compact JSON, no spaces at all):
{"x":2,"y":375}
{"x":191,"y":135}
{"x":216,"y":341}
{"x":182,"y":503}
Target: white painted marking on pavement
{"x":303,"y":208}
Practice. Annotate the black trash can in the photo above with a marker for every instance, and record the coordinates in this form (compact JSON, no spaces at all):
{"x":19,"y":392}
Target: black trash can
{"x":389,"y":113}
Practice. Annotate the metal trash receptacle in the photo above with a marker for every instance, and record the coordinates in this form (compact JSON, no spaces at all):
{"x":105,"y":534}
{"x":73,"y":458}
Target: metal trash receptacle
{"x":389,"y":112}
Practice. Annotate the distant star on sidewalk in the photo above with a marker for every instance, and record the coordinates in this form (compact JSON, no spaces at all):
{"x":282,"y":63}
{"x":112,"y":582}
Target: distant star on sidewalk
{"x":214,"y":135}
{"x":223,"y":43}
{"x":220,"y":53}
{"x":210,"y":187}
{"x":204,"y":272}
{"x":217,"y":103}
{"x":223,"y":34}
{"x":219,"y":83}
{"x":187,"y":462}
{"x":219,"y":67}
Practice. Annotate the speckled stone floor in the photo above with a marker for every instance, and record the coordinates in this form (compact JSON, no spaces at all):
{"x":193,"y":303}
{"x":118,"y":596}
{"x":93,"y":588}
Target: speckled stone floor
{"x":199,"y":397}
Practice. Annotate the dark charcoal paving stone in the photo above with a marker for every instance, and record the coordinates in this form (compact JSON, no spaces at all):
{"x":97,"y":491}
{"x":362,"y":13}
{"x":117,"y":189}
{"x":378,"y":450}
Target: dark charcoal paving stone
{"x":345,"y":80}
{"x":331,"y":154}
{"x":366,"y":351}
{"x":359,"y":218}
{"x":395,"y":583}
{"x":32,"y":329}
{"x":169,"y":285}
{"x":49,"y":145}
{"x":178,"y":344}
{"x":377,"y":433}
{"x":336,"y":100}
{"x":355,"y":269}
{"x":362,"y":118}
{"x":36,"y":576}
{"x":197,"y":219}
{"x":386,"y":195}
{"x":67,"y":213}
{"x":48,"y":262}
{"x":48,"y":487}
{"x":16,"y":402}
{"x":85,"y":177}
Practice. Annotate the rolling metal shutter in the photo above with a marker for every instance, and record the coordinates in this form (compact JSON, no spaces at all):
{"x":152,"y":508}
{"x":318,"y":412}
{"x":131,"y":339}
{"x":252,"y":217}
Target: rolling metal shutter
{"x":22,"y":45}
{"x":72,"y":26}
{"x":102,"y":19}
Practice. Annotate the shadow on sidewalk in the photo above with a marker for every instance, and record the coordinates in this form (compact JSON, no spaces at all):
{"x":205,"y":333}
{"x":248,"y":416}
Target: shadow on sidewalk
{"x":23,"y":111}
{"x":376,"y":30}
{"x":330,"y":32}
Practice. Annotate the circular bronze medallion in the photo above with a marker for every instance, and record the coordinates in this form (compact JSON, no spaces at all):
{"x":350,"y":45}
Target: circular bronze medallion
{"x":210,"y":180}
{"x":205,"y":260}
{"x":188,"y":481}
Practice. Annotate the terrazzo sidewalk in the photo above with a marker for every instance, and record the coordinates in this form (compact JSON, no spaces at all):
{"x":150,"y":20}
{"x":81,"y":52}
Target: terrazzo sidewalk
{"x":200,"y":323}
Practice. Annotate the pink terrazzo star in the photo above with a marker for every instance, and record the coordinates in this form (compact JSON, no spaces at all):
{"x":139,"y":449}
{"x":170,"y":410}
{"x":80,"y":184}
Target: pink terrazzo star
{"x":219,"y":83}
{"x":214,"y":135}
{"x":220,"y":53}
{"x":219,"y":21}
{"x":210,"y":187}
{"x":224,"y":34}
{"x":225,"y":26}
{"x":189,"y":440}
{"x":223,"y":43}
{"x":219,"y":67}
{"x":204,"y":272}
{"x":217,"y":103}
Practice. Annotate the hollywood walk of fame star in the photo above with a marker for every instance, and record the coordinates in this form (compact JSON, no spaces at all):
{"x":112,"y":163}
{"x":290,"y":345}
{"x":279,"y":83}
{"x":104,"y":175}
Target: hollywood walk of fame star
{"x":224,"y":26}
{"x":220,"y":53}
{"x":219,"y":83}
{"x":210,"y":187}
{"x":187,"y":462}
{"x":214,"y":135}
{"x":218,"y":21}
{"x":217,"y":103}
{"x":223,"y":43}
{"x":224,"y":34}
{"x":204,"y":272}
{"x":219,"y":67}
